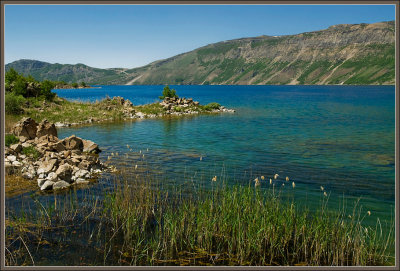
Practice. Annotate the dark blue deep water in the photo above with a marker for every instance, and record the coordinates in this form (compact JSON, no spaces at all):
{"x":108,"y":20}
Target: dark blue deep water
{"x":338,"y":137}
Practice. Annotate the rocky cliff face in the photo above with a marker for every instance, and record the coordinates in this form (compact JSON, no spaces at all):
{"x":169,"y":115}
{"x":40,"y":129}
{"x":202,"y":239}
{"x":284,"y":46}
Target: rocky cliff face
{"x":341,"y":54}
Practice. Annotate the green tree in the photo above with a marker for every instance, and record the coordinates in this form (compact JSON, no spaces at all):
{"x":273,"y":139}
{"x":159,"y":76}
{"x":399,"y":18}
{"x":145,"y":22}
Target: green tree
{"x":75,"y":85}
{"x":10,"y":76}
{"x":13,"y":103}
{"x":46,"y":87}
{"x":83,"y":84}
{"x":20,"y":85}
{"x":167,"y":92}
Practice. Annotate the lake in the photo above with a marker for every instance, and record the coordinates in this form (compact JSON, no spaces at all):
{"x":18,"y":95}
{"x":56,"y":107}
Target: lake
{"x":338,"y":137}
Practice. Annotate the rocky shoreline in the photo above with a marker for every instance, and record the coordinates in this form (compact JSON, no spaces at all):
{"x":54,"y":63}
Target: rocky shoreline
{"x":39,"y":155}
{"x":54,"y":163}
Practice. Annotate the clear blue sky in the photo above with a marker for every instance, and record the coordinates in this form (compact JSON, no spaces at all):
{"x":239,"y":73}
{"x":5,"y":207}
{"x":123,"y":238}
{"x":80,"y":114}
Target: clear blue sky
{"x":129,"y":36}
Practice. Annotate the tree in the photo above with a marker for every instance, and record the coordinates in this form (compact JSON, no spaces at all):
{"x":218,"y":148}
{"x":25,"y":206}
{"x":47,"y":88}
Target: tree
{"x":10,"y":76}
{"x":83,"y":84}
{"x":167,"y":92}
{"x":75,"y":85}
{"x":46,"y":88}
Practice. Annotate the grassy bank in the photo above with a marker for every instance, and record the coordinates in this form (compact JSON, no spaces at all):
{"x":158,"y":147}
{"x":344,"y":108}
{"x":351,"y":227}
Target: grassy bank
{"x":140,"y":222}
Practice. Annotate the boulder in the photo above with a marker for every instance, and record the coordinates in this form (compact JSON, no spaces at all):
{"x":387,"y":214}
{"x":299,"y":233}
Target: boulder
{"x":60,"y":185}
{"x":16,"y":147}
{"x":26,"y":145}
{"x":46,"y":139}
{"x":47,"y":185}
{"x":64,"y":172}
{"x":47,"y":166}
{"x":52,"y":177}
{"x":26,"y":127}
{"x":29,"y":172}
{"x":73,"y":143}
{"x":58,"y":146}
{"x":84,"y":165}
{"x":41,"y":181}
{"x":46,"y":128}
{"x":82,"y":173}
{"x":90,"y":147}
{"x":128,"y":103}
{"x":11,"y":158}
{"x":16,"y":164}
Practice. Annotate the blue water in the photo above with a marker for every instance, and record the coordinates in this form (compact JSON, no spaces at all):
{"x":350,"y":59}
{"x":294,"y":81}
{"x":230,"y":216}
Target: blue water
{"x":338,"y":137}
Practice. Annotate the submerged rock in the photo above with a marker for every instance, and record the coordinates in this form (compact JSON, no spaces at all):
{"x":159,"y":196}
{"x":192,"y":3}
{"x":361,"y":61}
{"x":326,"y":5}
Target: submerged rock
{"x":60,"y":185}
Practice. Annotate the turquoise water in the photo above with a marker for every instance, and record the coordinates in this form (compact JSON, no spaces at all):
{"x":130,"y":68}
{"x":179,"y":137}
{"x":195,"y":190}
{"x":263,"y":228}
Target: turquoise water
{"x":338,"y":137}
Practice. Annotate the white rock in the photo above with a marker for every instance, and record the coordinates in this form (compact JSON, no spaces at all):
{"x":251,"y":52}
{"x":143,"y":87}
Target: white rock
{"x":16,"y":164}
{"x":140,"y":115}
{"x":11,"y":158}
{"x":46,"y":185}
{"x":60,"y":185}
{"x":40,"y":182}
{"x":41,"y":174}
{"x":82,"y":173}
{"x":52,"y":177}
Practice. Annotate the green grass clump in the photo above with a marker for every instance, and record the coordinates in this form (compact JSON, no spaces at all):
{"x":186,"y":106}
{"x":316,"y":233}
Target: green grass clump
{"x":154,"y":108}
{"x":31,"y":152}
{"x":211,"y":106}
{"x":10,"y":139}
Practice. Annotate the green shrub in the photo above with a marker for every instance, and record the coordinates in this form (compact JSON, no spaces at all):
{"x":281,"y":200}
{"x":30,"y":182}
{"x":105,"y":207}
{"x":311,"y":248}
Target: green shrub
{"x":31,"y":151}
{"x":75,"y":85}
{"x":167,"y":92}
{"x":212,"y":106}
{"x":178,"y":109}
{"x":46,"y":88}
{"x":13,"y":103}
{"x":10,"y":140}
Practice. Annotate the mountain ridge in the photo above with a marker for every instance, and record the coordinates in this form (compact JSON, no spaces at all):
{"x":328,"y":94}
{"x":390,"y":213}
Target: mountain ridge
{"x":341,"y":54}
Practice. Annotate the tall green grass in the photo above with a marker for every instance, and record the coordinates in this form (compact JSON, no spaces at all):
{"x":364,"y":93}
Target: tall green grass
{"x":141,"y":221}
{"x":240,"y":225}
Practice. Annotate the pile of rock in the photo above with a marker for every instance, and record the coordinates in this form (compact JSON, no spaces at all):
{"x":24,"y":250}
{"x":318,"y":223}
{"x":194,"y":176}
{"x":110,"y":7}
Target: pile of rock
{"x":169,"y":103}
{"x":179,"y":106}
{"x":59,"y":162}
{"x":117,"y":101}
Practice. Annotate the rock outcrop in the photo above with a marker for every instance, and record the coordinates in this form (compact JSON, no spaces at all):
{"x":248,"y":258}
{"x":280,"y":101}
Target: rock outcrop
{"x":57,"y":164}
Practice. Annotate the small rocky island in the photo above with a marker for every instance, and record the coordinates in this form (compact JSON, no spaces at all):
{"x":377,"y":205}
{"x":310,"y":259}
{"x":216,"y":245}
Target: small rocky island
{"x":54,"y":163}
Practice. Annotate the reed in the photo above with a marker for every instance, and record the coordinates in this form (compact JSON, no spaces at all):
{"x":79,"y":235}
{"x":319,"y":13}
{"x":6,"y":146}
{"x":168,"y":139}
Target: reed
{"x":239,"y":225}
{"x":143,"y":221}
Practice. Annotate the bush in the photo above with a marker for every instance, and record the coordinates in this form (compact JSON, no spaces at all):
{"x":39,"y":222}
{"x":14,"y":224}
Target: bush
{"x":212,"y":106}
{"x":14,"y":103}
{"x":167,"y":92}
{"x":75,"y":85}
{"x":10,"y":140}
